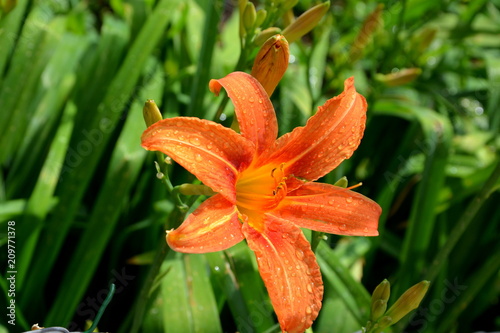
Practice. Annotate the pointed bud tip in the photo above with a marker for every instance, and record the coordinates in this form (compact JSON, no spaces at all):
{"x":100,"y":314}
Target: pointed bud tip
{"x":151,"y":113}
{"x":271,"y":62}
{"x":306,"y":22}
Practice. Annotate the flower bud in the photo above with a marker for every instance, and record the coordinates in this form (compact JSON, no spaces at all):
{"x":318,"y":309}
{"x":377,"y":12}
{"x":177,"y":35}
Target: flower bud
{"x":242,"y":5}
{"x":249,"y":16}
{"x":305,"y":22}
{"x":380,"y":297}
{"x":370,"y":26}
{"x":409,"y":301}
{"x":399,"y":78}
{"x":265,"y":34}
{"x":271,"y":62}
{"x":151,"y":113}
{"x":342,"y":182}
{"x":261,"y":16}
{"x":194,"y":189}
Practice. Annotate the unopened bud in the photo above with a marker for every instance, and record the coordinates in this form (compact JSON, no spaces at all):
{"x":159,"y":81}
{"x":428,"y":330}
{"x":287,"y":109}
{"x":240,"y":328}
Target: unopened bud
{"x":342,"y":182}
{"x":265,"y":34}
{"x":242,"y":5}
{"x":249,"y":16}
{"x":271,"y":63}
{"x":385,"y":321}
{"x":403,"y":76}
{"x":194,"y":189}
{"x":151,"y":113}
{"x":370,"y":26}
{"x":305,"y":22}
{"x":424,"y":39}
{"x":382,"y":291}
{"x":409,"y":301}
{"x":380,"y":297}
{"x":261,"y":16}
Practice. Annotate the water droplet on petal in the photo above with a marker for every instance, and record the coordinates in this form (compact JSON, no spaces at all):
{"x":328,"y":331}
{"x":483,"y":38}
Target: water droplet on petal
{"x":348,"y":199}
{"x":299,"y":254}
{"x":195,"y":141}
{"x":198,"y":158}
{"x":309,"y":288}
{"x":343,"y":227}
{"x":308,"y":310}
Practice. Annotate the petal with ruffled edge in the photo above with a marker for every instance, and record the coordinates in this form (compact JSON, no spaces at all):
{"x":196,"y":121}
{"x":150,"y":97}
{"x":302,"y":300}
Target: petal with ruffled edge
{"x":331,"y":209}
{"x":213,"y":226}
{"x":254,"y":111}
{"x":329,"y":137}
{"x":213,"y":153}
{"x":289,"y":270}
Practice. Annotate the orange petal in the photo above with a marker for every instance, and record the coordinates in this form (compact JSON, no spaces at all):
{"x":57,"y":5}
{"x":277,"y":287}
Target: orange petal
{"x":214,"y":226}
{"x":329,"y":137}
{"x":289,"y":270}
{"x":213,"y":153}
{"x":331,"y":209}
{"x":252,"y":106}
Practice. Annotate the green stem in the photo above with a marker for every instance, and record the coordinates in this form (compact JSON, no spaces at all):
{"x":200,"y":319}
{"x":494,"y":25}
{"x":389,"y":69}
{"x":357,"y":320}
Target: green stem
{"x":470,"y":212}
{"x":101,"y":310}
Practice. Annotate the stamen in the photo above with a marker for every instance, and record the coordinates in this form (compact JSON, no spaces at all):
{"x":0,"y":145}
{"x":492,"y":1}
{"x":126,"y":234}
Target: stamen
{"x":354,"y":186}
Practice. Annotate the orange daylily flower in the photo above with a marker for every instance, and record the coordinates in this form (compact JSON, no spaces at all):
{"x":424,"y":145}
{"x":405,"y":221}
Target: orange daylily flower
{"x":265,"y":189}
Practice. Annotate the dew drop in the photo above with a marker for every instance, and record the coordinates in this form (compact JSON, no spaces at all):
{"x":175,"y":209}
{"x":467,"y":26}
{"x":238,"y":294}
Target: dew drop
{"x":299,"y":254}
{"x":195,"y":141}
{"x":251,"y":100}
{"x":308,"y":310}
{"x":290,"y":268}
{"x":282,"y":254}
{"x":297,"y":267}
{"x":331,"y":202}
{"x":260,"y":101}
{"x":198,"y":158}
{"x":216,"y":268}
{"x":343,"y":227}
{"x":348,"y":199}
{"x":309,"y":288}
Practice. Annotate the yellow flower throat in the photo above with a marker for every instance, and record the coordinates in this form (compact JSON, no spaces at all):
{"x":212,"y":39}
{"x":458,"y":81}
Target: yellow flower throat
{"x":261,"y":189}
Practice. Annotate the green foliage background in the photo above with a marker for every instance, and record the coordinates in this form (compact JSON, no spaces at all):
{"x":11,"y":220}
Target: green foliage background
{"x":89,"y":210}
